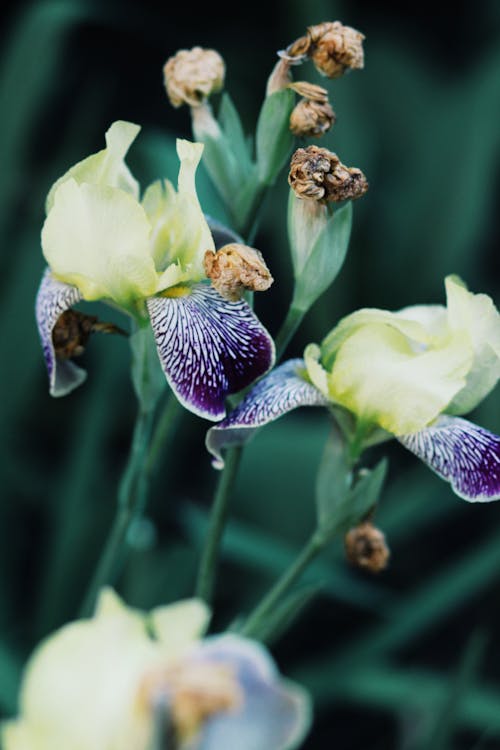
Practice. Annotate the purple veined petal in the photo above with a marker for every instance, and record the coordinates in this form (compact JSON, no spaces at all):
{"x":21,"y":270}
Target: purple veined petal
{"x":279,"y":392}
{"x":208,"y":347}
{"x":221,"y":234}
{"x":53,"y":298}
{"x":463,"y":454}
{"x":275,"y":714}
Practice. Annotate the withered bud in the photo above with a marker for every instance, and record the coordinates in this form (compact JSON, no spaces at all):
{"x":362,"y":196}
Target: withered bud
{"x":334,"y":48}
{"x":318,"y":174}
{"x":72,"y":331}
{"x":192,"y":75}
{"x":298,"y":50}
{"x":234,"y":268}
{"x":312,"y":116}
{"x":366,"y":548}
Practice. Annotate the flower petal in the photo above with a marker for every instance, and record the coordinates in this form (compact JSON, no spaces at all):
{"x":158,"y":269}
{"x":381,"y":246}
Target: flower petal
{"x":463,"y":454}
{"x":97,"y":238}
{"x":52,"y":300}
{"x":279,"y":392}
{"x":106,"y":167}
{"x":275,"y":713}
{"x":177,"y":625}
{"x":208,"y":347}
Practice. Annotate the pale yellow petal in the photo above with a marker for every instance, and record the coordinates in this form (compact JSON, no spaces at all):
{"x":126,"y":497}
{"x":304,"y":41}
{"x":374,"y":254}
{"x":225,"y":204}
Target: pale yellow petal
{"x":315,"y":370}
{"x":178,"y":625}
{"x":380,"y":377}
{"x":106,"y":167}
{"x":97,"y":238}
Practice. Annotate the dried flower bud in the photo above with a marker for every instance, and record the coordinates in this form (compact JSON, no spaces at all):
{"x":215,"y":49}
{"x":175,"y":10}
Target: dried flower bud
{"x":236,"y":267}
{"x":312,"y":116}
{"x":318,"y":174}
{"x":72,"y":331}
{"x":298,"y":50}
{"x":192,"y":75}
{"x":310,"y":91}
{"x":366,"y":548}
{"x":334,"y":48}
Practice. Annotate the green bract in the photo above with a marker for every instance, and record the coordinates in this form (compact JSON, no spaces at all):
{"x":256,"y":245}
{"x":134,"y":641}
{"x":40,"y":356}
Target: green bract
{"x":399,"y":371}
{"x":100,"y":238}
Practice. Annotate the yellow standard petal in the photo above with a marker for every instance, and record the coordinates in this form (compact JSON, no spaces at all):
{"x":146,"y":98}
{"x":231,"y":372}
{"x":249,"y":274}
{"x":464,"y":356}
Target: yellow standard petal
{"x":380,"y":376}
{"x":107,"y":167}
{"x":475,"y":318}
{"x":177,"y":626}
{"x":180,"y":234}
{"x":97,"y":238}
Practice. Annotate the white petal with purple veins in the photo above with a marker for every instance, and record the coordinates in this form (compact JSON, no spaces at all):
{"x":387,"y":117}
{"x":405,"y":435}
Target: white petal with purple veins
{"x":53,"y":298}
{"x":275,"y":713}
{"x":208,"y":347}
{"x":463,"y":454}
{"x":282,"y":390}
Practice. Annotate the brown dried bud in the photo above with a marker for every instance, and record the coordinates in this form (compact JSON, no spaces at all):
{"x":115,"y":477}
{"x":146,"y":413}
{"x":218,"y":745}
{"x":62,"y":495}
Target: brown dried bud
{"x":334,"y":48}
{"x":298,"y":50}
{"x":192,"y":75}
{"x":366,"y":548}
{"x":318,"y":174}
{"x":236,"y":267}
{"x":71,"y":333}
{"x":311,"y":118}
{"x":310,"y":91}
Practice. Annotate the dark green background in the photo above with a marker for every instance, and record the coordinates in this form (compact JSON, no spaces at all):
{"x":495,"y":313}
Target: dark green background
{"x":409,"y":660}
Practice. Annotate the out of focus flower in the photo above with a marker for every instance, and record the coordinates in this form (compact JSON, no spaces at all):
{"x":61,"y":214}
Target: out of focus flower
{"x":318,"y":174}
{"x":191,"y":76}
{"x":146,"y":257}
{"x":118,"y":680}
{"x":407,"y":374}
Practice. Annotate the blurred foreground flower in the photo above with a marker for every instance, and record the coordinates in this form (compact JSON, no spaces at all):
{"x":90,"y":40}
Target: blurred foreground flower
{"x":124,"y":680}
{"x":405,"y":374}
{"x":146,"y":257}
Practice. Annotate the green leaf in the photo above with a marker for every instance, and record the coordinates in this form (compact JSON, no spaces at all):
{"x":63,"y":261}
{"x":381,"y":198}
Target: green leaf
{"x":342,"y":511}
{"x":333,"y":480}
{"x":147,"y":376}
{"x":222,"y":165}
{"x":231,"y":125}
{"x":274,"y":139}
{"x":317,"y":269}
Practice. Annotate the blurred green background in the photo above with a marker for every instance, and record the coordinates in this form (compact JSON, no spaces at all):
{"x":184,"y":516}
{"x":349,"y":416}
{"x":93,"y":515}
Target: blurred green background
{"x":409,"y":660}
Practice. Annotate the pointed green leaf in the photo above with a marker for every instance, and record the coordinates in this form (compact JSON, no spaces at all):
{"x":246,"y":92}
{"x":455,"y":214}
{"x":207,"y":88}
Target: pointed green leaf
{"x":147,"y":376}
{"x":231,"y":125}
{"x":274,"y":139}
{"x":317,"y":269}
{"x":364,"y":495}
{"x":333,"y":480}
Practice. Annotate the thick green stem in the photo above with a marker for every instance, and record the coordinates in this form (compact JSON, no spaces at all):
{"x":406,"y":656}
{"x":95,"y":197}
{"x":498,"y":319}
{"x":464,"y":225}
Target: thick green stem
{"x":163,"y":431}
{"x":220,"y":509}
{"x":311,"y":549}
{"x":290,"y":324}
{"x":131,"y":500}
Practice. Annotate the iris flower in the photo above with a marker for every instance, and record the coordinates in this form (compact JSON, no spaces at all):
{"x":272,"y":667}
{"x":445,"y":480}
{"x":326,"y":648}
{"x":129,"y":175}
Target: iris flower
{"x":407,"y":374}
{"x":101,"y":242}
{"x":122,"y":678}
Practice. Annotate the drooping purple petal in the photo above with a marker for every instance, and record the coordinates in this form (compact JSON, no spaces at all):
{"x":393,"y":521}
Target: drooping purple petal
{"x":463,"y":454}
{"x":279,"y":392}
{"x":52,"y":300}
{"x":209,"y":347}
{"x":274,"y":715}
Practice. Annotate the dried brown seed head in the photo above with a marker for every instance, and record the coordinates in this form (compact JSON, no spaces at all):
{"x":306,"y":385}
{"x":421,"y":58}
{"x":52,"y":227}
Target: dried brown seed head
{"x":71,"y":333}
{"x":192,"y":75}
{"x":311,"y":118}
{"x":298,"y":50}
{"x":318,"y":174}
{"x":366,"y":548}
{"x":234,"y":268}
{"x":334,"y":48}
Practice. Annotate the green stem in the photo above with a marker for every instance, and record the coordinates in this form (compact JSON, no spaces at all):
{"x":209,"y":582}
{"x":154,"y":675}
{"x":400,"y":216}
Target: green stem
{"x":131,"y":500}
{"x":218,"y":517}
{"x":163,"y":431}
{"x":290,"y":324}
{"x":311,"y":549}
